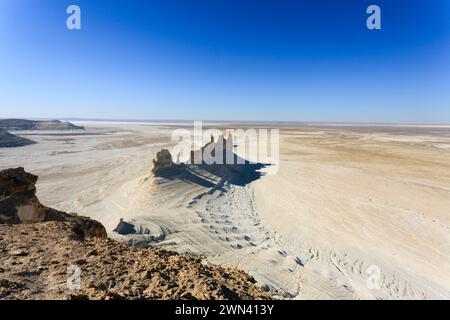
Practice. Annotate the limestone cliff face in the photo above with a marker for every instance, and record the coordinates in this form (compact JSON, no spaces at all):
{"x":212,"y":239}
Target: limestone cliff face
{"x":18,"y":201}
{"x":215,"y":161}
{"x":19,"y":204}
{"x":163,"y":160}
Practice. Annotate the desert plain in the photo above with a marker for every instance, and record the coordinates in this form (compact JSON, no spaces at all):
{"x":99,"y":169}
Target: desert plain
{"x":354,"y":211}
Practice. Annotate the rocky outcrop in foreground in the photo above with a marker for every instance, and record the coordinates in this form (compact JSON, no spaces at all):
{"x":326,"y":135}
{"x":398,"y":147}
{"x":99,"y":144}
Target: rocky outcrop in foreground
{"x":23,"y":124}
{"x":19,"y":204}
{"x":42,"y":261}
{"x":18,"y":201}
{"x":8,"y":140}
{"x":48,"y":254}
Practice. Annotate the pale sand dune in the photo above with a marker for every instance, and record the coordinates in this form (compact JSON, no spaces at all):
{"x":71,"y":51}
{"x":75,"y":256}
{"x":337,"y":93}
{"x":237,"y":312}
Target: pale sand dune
{"x":345,"y":198}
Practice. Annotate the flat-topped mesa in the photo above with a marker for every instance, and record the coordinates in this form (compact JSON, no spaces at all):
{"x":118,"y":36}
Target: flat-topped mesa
{"x":24,"y":125}
{"x":8,"y":140}
{"x":19,"y":204}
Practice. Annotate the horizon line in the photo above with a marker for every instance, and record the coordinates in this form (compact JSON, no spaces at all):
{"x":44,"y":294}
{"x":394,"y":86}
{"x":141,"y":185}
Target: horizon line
{"x":304,"y":122}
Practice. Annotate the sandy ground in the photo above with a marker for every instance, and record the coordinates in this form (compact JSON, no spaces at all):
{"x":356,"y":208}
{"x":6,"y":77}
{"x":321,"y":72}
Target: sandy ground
{"x":356,"y":212}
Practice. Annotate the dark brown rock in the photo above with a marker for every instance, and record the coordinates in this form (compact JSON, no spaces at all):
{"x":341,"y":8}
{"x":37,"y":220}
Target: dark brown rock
{"x":41,"y":269}
{"x":19,"y":204}
{"x":18,"y":201}
{"x":36,"y":258}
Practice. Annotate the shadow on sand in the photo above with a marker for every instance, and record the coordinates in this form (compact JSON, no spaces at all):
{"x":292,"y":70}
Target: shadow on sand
{"x":240,"y":173}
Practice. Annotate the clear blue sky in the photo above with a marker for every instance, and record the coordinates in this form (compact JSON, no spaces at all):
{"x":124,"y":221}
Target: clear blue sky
{"x":226,"y":60}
